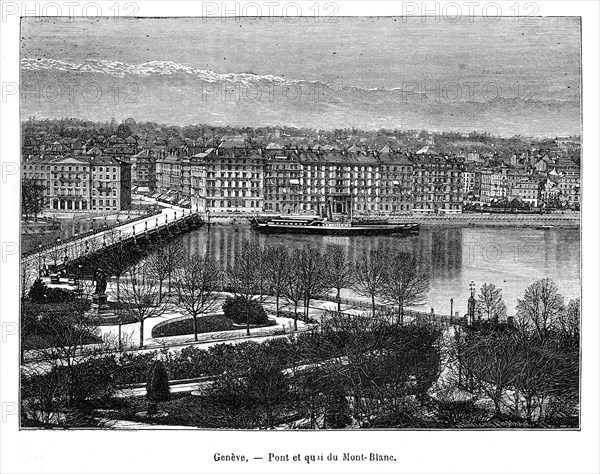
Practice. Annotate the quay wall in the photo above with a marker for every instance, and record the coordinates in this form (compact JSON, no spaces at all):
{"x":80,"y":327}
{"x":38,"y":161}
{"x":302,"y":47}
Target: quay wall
{"x":568,"y":220}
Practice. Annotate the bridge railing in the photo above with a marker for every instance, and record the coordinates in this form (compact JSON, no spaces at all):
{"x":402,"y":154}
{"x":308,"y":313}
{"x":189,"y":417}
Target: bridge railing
{"x":89,"y":233}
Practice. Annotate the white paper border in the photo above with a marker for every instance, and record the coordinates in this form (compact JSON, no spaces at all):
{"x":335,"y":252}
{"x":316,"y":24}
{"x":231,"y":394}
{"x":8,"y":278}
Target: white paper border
{"x":192,"y":451}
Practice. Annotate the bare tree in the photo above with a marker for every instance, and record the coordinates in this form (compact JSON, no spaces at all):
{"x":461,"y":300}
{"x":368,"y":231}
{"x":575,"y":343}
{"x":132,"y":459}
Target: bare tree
{"x":293,"y":288}
{"x":173,"y":258}
{"x":492,"y":362}
{"x":28,"y":275}
{"x":490,"y":302}
{"x":32,"y":197}
{"x":540,"y":307}
{"x":141,"y":297}
{"x":115,"y":259}
{"x":405,"y":284}
{"x":277,"y":262}
{"x":69,"y":337}
{"x":338,"y":270}
{"x":243,"y":274}
{"x":370,"y":274}
{"x":312,"y":274}
{"x":157,"y":265}
{"x":55,"y":254}
{"x":569,"y":321}
{"x":165,"y":261}
{"x":198,"y":282}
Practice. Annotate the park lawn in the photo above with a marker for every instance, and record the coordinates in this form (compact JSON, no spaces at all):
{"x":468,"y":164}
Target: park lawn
{"x":212,"y":323}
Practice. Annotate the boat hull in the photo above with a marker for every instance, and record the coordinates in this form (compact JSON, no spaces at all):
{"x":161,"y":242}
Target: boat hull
{"x":338,"y":230}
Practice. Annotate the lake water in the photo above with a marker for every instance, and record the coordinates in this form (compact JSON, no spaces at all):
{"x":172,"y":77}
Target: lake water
{"x":510,"y":258}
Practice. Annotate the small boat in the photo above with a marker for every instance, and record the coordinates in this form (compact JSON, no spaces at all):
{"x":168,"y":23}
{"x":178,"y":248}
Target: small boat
{"x":318,"y":225}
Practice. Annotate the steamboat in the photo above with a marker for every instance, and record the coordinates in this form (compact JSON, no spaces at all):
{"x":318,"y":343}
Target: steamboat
{"x":319,"y":225}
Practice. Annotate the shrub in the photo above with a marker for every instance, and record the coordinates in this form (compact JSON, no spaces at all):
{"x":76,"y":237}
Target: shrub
{"x":40,"y":293}
{"x":337,"y":412}
{"x":157,"y":387}
{"x":243,"y":311}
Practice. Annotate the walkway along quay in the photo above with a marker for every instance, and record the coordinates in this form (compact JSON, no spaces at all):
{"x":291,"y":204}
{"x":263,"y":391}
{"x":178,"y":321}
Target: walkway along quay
{"x":63,"y":254}
{"x":542,"y":221}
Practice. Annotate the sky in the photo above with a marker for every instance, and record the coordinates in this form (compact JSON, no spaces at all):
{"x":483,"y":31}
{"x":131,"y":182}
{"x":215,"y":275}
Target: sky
{"x":507,"y":77}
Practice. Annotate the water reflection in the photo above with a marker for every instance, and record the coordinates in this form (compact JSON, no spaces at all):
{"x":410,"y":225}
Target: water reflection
{"x":511,"y":259}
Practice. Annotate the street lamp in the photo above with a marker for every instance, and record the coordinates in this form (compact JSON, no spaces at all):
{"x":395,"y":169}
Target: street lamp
{"x":471,"y":303}
{"x":40,"y":260}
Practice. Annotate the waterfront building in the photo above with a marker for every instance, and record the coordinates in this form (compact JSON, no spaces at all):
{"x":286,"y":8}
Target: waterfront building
{"x":513,"y":177}
{"x":234,"y":179}
{"x":366,"y":182}
{"x":111,"y":184}
{"x":66,"y":179}
{"x":570,"y":190}
{"x":437,"y":184}
{"x":469,"y":178}
{"x":286,"y":188}
{"x":527,"y":191}
{"x":493,"y":186}
{"x":197,"y":195}
{"x":143,"y":169}
{"x":396,"y":182}
{"x":168,"y":177}
{"x":81,"y":183}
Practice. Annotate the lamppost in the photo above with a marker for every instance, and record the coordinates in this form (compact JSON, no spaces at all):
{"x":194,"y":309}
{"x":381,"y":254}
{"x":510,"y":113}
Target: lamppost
{"x":451,"y":309}
{"x":79,"y":276}
{"x":471,"y":304}
{"x":40,"y":260}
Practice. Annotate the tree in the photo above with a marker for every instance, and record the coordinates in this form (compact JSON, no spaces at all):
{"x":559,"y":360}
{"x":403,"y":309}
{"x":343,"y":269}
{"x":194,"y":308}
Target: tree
{"x":32,"y":197}
{"x":65,"y":337}
{"x":241,"y":310}
{"x":141,"y":297}
{"x":197,"y":285}
{"x":491,"y":359}
{"x":157,"y":265}
{"x":337,"y":412}
{"x":293,"y":288}
{"x":173,"y":258}
{"x":165,"y":262}
{"x":157,"y":387}
{"x":255,"y":387}
{"x":28,"y":274}
{"x":277,"y":268}
{"x":312,"y":275}
{"x":116,"y":258}
{"x":490,"y":303}
{"x":243,"y":273}
{"x":370,"y":274}
{"x":569,"y":320}
{"x":405,"y":284}
{"x":540,"y":307}
{"x":338,"y":270}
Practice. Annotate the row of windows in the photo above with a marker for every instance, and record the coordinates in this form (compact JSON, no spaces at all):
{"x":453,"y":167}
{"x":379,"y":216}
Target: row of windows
{"x":70,"y":168}
{"x":235,"y":203}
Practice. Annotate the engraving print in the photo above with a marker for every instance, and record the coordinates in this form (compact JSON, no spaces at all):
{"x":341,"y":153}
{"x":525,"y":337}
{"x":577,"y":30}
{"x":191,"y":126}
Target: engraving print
{"x":333,"y":223}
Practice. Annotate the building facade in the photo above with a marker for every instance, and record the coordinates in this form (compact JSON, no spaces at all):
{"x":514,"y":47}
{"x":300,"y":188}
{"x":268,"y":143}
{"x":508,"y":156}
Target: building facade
{"x":437,"y":185}
{"x":82,"y":183}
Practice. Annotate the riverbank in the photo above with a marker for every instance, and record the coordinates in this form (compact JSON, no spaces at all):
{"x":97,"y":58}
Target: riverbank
{"x":571,"y":220}
{"x":567,"y":220}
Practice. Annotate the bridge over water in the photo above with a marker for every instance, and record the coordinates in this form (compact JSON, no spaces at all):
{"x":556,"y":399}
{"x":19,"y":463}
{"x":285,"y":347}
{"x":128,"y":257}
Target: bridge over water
{"x":58,"y":255}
